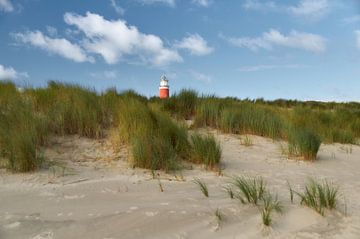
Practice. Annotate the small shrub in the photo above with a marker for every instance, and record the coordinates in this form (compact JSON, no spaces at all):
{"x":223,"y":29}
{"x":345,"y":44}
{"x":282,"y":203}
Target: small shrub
{"x":303,"y":143}
{"x":250,"y":190}
{"x":319,"y":196}
{"x":206,"y":150}
{"x":203,"y":187}
{"x":270,"y":204}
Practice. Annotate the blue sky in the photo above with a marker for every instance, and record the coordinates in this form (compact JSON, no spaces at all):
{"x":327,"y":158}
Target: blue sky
{"x":298,"y":49}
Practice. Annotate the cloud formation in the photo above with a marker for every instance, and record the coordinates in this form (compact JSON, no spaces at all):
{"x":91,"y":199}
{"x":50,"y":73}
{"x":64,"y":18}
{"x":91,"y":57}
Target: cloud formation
{"x":253,"y":44}
{"x":203,"y":3}
{"x":114,"y":40}
{"x":260,"y":5}
{"x":195,"y":44}
{"x":9,"y":73}
{"x":305,"y":9}
{"x":118,"y":9}
{"x":170,"y":3}
{"x":58,"y":46}
{"x":310,"y":8}
{"x":299,"y":40}
{"x":269,"y":67}
{"x":104,"y":75}
{"x":6,"y":6}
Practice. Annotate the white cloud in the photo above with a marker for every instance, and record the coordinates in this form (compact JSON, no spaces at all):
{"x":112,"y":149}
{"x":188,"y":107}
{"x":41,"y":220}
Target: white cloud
{"x":59,"y":46}
{"x":310,"y":8}
{"x":52,"y":31}
{"x":118,"y":9}
{"x":203,"y":3}
{"x":114,"y":40}
{"x":300,"y":40}
{"x":6,"y":6}
{"x":170,"y":3}
{"x":305,"y":9}
{"x":9,"y":73}
{"x":352,"y":19}
{"x":195,"y":44}
{"x":269,"y":67}
{"x":201,"y":77}
{"x":357,"y":34}
{"x":259,"y":5}
{"x":104,"y":74}
{"x":253,"y":44}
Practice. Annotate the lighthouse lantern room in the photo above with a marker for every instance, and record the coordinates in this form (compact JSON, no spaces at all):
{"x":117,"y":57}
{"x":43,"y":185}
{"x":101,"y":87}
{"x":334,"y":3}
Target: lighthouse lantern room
{"x":164,"y":87}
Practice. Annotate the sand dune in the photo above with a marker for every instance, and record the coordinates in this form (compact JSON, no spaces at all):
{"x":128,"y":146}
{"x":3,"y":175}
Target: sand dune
{"x":91,"y":192}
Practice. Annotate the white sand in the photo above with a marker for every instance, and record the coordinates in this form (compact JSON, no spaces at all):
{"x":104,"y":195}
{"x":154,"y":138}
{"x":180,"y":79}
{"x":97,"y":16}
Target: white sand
{"x":93,"y":193}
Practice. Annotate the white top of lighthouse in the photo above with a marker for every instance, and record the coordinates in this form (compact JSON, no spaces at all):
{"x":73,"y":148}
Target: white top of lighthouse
{"x":164,"y":82}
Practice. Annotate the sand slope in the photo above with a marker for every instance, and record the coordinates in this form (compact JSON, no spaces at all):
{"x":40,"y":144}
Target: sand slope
{"x":90,"y":192}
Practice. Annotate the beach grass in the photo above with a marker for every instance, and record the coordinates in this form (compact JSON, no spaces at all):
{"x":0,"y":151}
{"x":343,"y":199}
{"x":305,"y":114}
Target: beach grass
{"x":21,"y":131}
{"x":246,"y":141}
{"x":186,"y":103}
{"x":206,"y":150}
{"x":270,"y":204}
{"x":203,"y":187}
{"x":304,"y":143}
{"x":319,"y":195}
{"x":208,"y":112}
{"x":30,"y":115}
{"x":246,"y":118}
{"x":249,"y":190}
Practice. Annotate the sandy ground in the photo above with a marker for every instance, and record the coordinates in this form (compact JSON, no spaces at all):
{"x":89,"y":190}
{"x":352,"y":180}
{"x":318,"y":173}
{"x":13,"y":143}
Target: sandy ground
{"x":89,"y":191}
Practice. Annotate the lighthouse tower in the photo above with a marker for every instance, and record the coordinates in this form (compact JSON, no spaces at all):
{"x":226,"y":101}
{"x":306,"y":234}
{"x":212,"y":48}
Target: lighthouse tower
{"x":164,"y":87}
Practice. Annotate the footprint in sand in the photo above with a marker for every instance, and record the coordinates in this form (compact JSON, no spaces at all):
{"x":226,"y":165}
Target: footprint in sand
{"x":182,"y":235}
{"x":151,"y":214}
{"x":12,"y":225}
{"x":44,"y":235}
{"x":131,"y":209}
{"x":74,"y":196}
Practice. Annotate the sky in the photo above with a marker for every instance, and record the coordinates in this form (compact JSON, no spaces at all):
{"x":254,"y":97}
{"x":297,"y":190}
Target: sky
{"x":296,"y":49}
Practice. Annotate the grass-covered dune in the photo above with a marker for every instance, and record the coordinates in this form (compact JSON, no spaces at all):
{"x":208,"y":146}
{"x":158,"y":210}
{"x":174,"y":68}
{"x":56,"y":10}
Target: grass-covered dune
{"x":154,"y":128}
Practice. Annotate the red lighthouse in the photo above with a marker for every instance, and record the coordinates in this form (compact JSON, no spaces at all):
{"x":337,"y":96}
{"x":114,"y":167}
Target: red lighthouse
{"x":164,"y":87}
